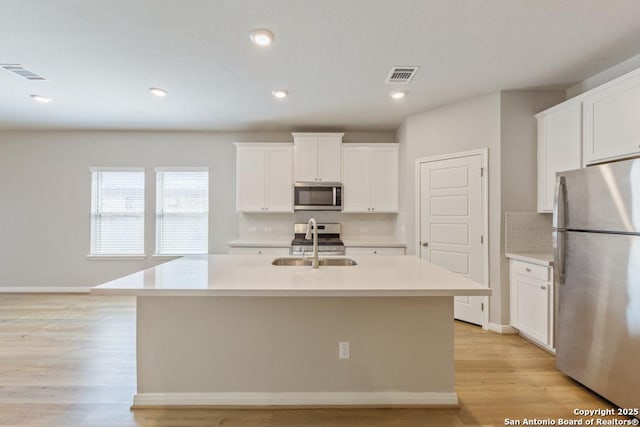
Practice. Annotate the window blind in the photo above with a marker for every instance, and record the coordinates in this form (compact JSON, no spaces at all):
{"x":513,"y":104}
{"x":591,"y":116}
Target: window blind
{"x":117,"y":212}
{"x":182,"y":212}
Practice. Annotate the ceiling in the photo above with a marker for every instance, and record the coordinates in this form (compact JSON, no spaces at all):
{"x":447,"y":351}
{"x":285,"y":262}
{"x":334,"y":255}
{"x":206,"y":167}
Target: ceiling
{"x":100,"y":58}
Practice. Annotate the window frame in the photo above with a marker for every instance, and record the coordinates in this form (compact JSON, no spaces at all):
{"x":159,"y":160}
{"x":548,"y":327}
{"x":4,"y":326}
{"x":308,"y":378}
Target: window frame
{"x":158,"y":199}
{"x":93,"y":202}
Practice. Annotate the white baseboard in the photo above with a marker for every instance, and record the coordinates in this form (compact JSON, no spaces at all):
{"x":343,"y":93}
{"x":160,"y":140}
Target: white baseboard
{"x":45,"y":289}
{"x":502,"y":329}
{"x":379,"y":399}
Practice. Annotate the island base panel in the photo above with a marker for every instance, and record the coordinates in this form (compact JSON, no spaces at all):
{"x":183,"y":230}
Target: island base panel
{"x":284,"y":351}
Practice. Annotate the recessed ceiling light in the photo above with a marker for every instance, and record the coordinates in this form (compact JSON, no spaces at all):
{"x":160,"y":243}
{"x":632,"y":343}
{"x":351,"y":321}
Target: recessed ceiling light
{"x":398,"y":94}
{"x":261,"y":37}
{"x":41,"y":99}
{"x":157,"y":91}
{"x":280,"y":93}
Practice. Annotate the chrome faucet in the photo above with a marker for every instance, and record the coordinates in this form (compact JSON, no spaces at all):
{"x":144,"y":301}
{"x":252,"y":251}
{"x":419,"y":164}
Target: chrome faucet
{"x":312,"y":226}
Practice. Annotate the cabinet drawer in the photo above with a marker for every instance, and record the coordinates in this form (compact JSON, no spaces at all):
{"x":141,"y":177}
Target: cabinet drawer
{"x":534,"y":271}
{"x":374,"y":251}
{"x":258,"y":251}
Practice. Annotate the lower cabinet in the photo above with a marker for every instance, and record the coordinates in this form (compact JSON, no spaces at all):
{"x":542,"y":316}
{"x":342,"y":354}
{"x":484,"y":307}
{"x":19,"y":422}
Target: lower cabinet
{"x":532,"y":301}
{"x":374,"y":250}
{"x":248,"y":250}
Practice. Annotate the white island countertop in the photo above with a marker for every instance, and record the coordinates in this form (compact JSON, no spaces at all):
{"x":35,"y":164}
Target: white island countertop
{"x":252,"y":276}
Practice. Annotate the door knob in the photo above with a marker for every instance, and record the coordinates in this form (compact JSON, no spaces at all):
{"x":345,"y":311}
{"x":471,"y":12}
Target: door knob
{"x":425,"y":244}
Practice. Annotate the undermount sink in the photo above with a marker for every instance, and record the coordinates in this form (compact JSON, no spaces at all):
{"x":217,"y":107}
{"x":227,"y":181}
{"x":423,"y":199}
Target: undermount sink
{"x":324,"y":262}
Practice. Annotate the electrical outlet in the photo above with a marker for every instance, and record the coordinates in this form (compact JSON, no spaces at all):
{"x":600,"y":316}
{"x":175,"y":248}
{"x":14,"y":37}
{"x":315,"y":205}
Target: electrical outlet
{"x":343,"y":350}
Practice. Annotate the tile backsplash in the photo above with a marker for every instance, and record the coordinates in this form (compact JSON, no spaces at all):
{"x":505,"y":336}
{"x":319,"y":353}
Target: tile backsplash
{"x":528,"y":232}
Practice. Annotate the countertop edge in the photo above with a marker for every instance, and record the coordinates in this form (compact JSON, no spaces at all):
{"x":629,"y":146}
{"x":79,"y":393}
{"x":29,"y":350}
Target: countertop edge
{"x":534,"y":258}
{"x":285,"y":244}
{"x":294,"y":293}
{"x":373,"y":244}
{"x":258,"y":244}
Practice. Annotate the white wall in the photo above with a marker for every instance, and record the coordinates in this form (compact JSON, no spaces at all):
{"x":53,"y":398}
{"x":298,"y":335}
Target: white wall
{"x":503,"y":123}
{"x":45,"y":196}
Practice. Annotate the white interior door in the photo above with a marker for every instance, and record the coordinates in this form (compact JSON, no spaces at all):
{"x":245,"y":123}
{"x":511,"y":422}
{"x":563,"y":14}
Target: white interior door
{"x":451,"y":223}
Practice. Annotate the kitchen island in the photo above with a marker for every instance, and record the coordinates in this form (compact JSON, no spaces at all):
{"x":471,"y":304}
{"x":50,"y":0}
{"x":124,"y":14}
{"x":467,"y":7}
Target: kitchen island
{"x":222,"y":330}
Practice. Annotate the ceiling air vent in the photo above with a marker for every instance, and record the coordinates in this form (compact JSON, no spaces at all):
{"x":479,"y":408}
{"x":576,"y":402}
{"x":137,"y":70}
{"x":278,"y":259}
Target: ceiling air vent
{"x":19,"y":70}
{"x":401,"y":74}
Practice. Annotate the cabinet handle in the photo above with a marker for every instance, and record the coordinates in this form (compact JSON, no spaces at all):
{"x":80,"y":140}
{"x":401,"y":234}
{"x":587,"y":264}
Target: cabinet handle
{"x":543,"y":287}
{"x":259,"y":252}
{"x":528,"y":270}
{"x":375,"y":252}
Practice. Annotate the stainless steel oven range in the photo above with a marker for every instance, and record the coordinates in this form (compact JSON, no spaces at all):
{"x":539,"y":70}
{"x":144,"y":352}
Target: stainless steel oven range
{"x":329,"y":242}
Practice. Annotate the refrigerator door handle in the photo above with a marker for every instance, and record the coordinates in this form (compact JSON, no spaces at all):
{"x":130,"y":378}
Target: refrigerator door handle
{"x":559,"y":204}
{"x":558,"y":256}
{"x":559,"y":233}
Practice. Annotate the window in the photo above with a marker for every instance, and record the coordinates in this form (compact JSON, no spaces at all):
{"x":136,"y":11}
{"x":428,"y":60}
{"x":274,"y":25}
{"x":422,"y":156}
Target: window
{"x":182,"y":211}
{"x":117,"y":212}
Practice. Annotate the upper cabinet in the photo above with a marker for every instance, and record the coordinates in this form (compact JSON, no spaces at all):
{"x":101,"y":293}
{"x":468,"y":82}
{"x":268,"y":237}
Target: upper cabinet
{"x":559,"y":147}
{"x":317,"y":157}
{"x":612,"y":120}
{"x":264,"y":177}
{"x":370,"y":174}
{"x":597,"y":126}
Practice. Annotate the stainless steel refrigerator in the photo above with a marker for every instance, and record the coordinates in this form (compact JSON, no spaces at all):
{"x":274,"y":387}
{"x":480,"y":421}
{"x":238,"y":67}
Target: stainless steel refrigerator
{"x":596,"y":237}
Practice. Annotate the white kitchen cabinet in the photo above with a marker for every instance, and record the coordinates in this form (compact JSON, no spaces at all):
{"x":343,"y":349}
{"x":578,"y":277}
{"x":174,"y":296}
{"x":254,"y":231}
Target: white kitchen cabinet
{"x":612,"y":120}
{"x":370,"y":174}
{"x":384,"y":250}
{"x":253,"y":250}
{"x":532,"y":302}
{"x":317,"y":157}
{"x":264,"y":177}
{"x":559,"y":147}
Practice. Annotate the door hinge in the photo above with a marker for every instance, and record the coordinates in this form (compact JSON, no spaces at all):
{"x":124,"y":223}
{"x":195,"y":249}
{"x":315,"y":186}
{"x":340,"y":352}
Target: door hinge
{"x":481,"y":240}
{"x":481,"y":171}
{"x":481,"y":306}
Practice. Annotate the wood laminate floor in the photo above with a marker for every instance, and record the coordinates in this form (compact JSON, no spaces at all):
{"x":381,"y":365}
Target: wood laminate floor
{"x":69,"y":360}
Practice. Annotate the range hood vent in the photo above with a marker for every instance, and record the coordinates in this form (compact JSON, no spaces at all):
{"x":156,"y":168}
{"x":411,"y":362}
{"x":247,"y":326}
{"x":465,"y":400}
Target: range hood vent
{"x":20,"y":71}
{"x":401,"y":74}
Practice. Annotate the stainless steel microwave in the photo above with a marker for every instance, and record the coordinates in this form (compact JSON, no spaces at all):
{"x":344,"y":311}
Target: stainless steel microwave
{"x":317,"y":196}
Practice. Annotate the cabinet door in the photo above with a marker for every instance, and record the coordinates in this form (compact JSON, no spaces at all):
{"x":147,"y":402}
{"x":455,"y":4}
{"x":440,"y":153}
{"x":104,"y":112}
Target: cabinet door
{"x":306,"y":158}
{"x":279,"y":180}
{"x":385,"y":172}
{"x":552,"y":314}
{"x":356,"y":178}
{"x":532,"y":307}
{"x":612,"y":121}
{"x":559,"y":148}
{"x":250,"y":194}
{"x":329,"y":158}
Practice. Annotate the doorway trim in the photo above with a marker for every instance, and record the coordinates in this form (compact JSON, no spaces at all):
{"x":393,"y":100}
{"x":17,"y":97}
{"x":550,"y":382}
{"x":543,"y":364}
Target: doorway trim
{"x":484,"y":161}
